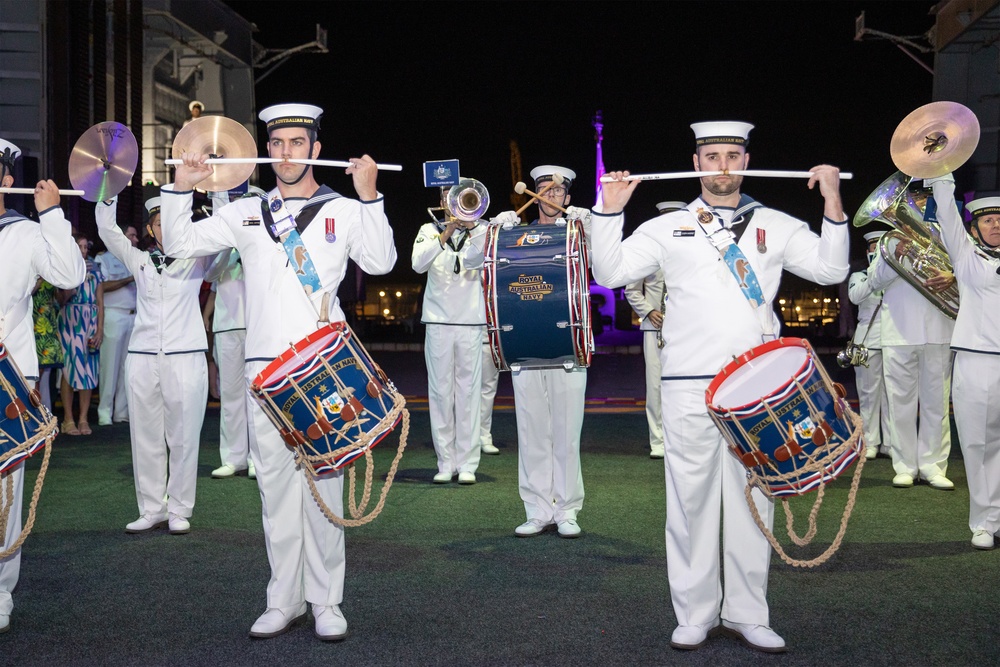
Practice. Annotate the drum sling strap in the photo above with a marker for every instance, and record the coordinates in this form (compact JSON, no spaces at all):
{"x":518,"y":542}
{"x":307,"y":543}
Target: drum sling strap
{"x":726,"y":241}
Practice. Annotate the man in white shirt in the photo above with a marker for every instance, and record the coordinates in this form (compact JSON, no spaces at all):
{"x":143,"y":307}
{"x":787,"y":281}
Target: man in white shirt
{"x":119,"y":318}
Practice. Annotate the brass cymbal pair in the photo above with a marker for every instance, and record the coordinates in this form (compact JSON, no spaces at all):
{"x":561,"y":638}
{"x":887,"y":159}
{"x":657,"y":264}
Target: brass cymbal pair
{"x":934,"y":140}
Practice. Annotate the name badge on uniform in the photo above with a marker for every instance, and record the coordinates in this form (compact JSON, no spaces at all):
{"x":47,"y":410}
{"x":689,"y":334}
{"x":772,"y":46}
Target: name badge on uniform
{"x":283,"y":220}
{"x":252,"y":221}
{"x":683,"y":232}
{"x":331,"y":230}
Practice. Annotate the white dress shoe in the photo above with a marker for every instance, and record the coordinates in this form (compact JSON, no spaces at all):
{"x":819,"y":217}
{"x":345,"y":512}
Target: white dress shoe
{"x":227,"y":470}
{"x":489,"y":448}
{"x":4,"y":623}
{"x":442,"y":478}
{"x":569,"y":528}
{"x":251,"y":471}
{"x":531,"y":527}
{"x":902,"y":480}
{"x":274,"y":622}
{"x":690,"y":637}
{"x":656,"y":453}
{"x":757,"y":637}
{"x":941,"y":483}
{"x":871,"y":453}
{"x":331,"y":626}
{"x":146,"y":522}
{"x":178,"y":525}
{"x":983,"y":539}
{"x":466,"y":478}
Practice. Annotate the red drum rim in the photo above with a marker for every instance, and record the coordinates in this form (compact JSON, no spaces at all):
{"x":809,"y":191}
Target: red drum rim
{"x":745,"y":358}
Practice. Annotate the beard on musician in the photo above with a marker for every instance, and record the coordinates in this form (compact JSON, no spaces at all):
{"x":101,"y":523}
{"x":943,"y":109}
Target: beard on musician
{"x":721,"y":157}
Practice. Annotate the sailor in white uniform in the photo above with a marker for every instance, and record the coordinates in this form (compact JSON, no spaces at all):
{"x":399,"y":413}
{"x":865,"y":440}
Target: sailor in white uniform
{"x":873,"y":404}
{"x":549,"y":405}
{"x":229,"y":333}
{"x":976,"y":342}
{"x":119,"y":318}
{"x":28,"y":249}
{"x":454,"y":315}
{"x":167,"y":374}
{"x":715,"y":313}
{"x":916,"y":366}
{"x":305,"y":549}
{"x":646,"y":297}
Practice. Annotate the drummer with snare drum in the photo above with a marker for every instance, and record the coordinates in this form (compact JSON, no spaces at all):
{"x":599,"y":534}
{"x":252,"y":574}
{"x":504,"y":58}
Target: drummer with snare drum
{"x":320,"y":230}
{"x":722,"y":258}
{"x":28,"y":249}
{"x":548,"y":403}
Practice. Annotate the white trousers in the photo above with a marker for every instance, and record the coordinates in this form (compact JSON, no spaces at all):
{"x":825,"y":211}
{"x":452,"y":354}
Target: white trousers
{"x":166,"y":403}
{"x":111,"y":387}
{"x":304,"y":549}
{"x":491,"y":378}
{"x":654,"y":412}
{"x":10,"y":567}
{"x":234,"y":427}
{"x":918,"y":379}
{"x":873,"y":402}
{"x":977,"y":416}
{"x":549,"y":407}
{"x":454,"y":359}
{"x":705,"y":484}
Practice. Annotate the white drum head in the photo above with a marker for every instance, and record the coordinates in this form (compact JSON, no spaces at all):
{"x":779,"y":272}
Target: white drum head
{"x":760,"y":377}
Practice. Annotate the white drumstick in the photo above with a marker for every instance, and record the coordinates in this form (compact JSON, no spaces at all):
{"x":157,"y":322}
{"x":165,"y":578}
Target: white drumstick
{"x":31,"y":191}
{"x":846,"y":175}
{"x":666,"y":176}
{"x":274,"y":160}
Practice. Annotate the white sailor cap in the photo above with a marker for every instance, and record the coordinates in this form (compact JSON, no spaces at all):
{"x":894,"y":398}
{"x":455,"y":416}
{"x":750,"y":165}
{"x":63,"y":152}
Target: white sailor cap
{"x":8,"y":153}
{"x":984,"y":206}
{"x":544,"y":173}
{"x":668,"y":206}
{"x":195,"y":103}
{"x":875,"y":236}
{"x":291,"y":115}
{"x":721,"y":132}
{"x":153,"y":206}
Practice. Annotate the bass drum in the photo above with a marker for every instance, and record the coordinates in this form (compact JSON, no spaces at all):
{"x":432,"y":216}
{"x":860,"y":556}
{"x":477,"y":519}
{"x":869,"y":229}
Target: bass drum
{"x":537,"y":289}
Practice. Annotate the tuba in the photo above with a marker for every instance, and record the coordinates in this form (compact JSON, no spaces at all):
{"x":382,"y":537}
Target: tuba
{"x":933,"y":140}
{"x":913,"y":248}
{"x":466,"y":202}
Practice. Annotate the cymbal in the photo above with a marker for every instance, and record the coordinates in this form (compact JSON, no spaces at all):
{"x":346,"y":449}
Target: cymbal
{"x":934,"y":140}
{"x":103,"y":161}
{"x":218,"y":136}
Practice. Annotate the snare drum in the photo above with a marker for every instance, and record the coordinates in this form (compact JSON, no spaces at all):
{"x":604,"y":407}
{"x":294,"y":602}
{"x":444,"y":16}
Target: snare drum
{"x":328,"y":399}
{"x":784,"y":418}
{"x":537,"y":288}
{"x":25,"y":424}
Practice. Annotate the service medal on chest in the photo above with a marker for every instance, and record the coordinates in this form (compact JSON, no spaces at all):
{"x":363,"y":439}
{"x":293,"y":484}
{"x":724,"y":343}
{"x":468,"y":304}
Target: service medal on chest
{"x":761,"y":241}
{"x":331,"y":230}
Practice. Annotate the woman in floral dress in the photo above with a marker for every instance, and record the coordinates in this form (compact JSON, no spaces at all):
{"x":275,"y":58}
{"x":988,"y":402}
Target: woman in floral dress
{"x":81,"y":331}
{"x":47,"y":342}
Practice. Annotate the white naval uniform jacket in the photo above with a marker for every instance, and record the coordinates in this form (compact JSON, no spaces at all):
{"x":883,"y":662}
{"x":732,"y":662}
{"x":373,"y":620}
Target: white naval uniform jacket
{"x":168,"y":315}
{"x":645,"y":296}
{"x":861,"y":294}
{"x":278,"y":312}
{"x":29,"y":249}
{"x":710,"y":318}
{"x":450,"y":297}
{"x":908,"y":317}
{"x":977,"y":328}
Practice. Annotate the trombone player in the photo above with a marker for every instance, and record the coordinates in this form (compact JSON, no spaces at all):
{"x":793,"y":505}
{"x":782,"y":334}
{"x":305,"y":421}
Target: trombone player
{"x":976,"y":344}
{"x":450,"y":252}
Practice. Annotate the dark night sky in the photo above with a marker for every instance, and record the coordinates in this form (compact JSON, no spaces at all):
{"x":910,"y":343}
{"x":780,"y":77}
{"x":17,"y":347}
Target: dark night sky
{"x":416,"y":81}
